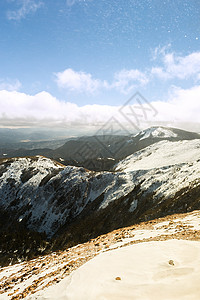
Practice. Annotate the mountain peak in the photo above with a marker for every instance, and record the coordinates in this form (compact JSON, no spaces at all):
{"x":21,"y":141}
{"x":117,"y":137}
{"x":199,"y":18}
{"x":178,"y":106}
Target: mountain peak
{"x":157,"y":132}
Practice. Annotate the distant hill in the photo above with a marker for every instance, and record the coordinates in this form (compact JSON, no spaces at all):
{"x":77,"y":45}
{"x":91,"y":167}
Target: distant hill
{"x":101,"y":153}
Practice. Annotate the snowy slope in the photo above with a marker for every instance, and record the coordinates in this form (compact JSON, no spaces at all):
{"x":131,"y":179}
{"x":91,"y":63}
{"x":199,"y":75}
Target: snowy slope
{"x":39,"y":278}
{"x":164,"y":169}
{"x":156,"y":132}
{"x":154,"y":135}
{"x":153,"y":270}
{"x":45,"y":195}
{"x":164,"y":153}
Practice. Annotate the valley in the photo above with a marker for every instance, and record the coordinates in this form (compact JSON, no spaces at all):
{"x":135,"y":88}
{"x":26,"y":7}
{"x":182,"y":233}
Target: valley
{"x":55,"y":218}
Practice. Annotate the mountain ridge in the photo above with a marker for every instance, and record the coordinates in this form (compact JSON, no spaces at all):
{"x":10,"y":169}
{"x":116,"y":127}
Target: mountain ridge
{"x":72,"y":204}
{"x":101,"y":153}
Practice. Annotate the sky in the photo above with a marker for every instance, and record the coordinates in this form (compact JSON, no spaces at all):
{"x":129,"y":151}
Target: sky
{"x":93,"y":63}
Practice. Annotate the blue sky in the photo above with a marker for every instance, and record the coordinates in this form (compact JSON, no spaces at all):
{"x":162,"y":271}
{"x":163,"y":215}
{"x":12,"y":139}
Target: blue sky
{"x":96,"y":52}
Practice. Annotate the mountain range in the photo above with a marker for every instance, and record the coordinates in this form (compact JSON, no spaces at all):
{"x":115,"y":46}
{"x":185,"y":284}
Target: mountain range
{"x":97,"y":153}
{"x":46,"y":206}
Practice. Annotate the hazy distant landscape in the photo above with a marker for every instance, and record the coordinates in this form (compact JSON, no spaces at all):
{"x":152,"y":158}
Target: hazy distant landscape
{"x":98,"y":153}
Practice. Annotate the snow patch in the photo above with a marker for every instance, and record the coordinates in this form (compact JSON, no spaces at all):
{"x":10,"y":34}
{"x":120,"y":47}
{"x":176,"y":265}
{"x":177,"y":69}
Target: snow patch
{"x":164,"y":153}
{"x":133,"y":205}
{"x":154,"y":270}
{"x":157,"y":132}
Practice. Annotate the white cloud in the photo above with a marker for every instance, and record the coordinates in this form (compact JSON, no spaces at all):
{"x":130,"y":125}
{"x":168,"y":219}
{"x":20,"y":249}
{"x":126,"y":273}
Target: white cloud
{"x":79,"y":81}
{"x":26,"y":7}
{"x":182,"y":107}
{"x":170,"y":66}
{"x":187,"y":104}
{"x":159,"y":72}
{"x":198,"y":77}
{"x":160,"y":51}
{"x":176,"y":66}
{"x":10,"y":85}
{"x":42,"y":109}
{"x":124,"y":81}
{"x":127,"y":80}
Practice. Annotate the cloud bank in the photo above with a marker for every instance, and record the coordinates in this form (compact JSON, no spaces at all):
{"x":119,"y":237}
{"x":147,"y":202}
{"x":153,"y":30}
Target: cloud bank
{"x":79,"y":81}
{"x":42,"y":109}
{"x":124,"y":81}
{"x":167,"y":66}
{"x":176,"y":66}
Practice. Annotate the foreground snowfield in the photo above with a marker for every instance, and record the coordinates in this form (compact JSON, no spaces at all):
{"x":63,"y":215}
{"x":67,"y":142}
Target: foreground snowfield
{"x":154,"y":270}
{"x":138,"y":254}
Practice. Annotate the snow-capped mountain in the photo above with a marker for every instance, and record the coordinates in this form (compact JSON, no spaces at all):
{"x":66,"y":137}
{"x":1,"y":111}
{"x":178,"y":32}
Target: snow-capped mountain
{"x":44,"y":194}
{"x":103,"y":152}
{"x":72,"y":204}
{"x":156,"y":132}
{"x":153,"y":135}
{"x":161,"y":132}
{"x":119,"y":147}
